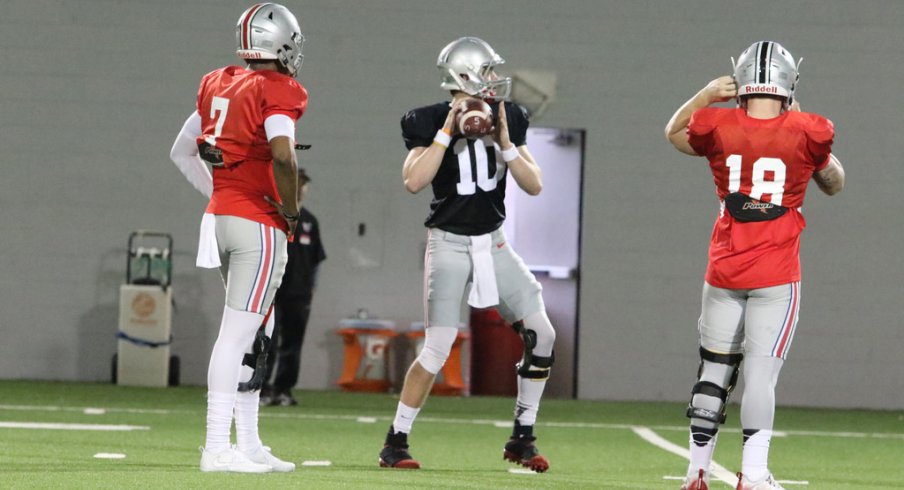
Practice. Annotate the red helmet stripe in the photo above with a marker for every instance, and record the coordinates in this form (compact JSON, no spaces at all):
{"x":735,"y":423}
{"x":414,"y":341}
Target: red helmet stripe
{"x":246,"y":26}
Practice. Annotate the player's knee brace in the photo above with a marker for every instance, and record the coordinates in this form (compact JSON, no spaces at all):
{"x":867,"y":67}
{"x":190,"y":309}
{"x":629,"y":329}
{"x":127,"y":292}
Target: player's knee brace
{"x":437,"y":345}
{"x":257,"y":360}
{"x":729,"y":364}
{"x":531,"y":365}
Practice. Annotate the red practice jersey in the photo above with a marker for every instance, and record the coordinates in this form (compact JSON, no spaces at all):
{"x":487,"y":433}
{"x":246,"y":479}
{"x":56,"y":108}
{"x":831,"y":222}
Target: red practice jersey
{"x":771,"y":160}
{"x":234,"y":103}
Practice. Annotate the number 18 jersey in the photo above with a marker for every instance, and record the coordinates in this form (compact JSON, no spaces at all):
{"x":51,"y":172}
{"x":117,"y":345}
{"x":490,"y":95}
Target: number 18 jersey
{"x":771,"y":160}
{"x":469,"y":187}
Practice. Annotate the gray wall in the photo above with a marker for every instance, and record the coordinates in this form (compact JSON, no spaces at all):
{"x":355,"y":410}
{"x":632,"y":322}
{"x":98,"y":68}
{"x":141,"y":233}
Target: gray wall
{"x":93,"y":93}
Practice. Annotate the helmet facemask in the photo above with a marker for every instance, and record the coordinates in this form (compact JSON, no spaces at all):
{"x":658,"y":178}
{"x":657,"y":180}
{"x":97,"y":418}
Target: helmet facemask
{"x":290,"y":55}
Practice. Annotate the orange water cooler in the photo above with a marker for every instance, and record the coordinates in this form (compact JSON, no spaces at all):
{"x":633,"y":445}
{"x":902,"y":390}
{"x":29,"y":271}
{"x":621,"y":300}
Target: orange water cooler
{"x":367,"y":344}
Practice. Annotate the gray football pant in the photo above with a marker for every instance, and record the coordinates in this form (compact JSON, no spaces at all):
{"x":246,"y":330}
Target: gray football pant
{"x":761,"y":324}
{"x":447,"y":271}
{"x":253,"y":257}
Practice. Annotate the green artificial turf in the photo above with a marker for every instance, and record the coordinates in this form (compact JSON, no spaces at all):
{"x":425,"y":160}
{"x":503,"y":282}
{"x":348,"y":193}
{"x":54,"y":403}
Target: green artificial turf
{"x":457,"y":440}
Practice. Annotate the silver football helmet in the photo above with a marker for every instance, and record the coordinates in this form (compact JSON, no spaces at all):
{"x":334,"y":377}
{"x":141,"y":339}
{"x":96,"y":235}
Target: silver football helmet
{"x":467,"y":64}
{"x":269,"y":31}
{"x":766,"y":68}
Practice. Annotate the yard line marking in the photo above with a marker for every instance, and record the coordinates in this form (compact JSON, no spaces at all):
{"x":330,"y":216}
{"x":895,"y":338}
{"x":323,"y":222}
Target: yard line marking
{"x":110,"y":456}
{"x":365,"y":420}
{"x":793,"y":482}
{"x":521,"y":471}
{"x":716,"y":470}
{"x":316,"y":463}
{"x":95,"y":411}
{"x":53,"y":408}
{"x":58,"y":426}
{"x":564,"y":425}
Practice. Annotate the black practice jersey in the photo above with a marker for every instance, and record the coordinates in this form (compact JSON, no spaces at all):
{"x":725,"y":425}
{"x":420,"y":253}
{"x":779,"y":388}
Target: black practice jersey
{"x":469,"y":187}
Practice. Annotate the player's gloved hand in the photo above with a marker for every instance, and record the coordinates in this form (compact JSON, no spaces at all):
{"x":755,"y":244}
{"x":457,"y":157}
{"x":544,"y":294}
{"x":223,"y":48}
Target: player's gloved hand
{"x":721,"y":89}
{"x":291,"y":219}
{"x":501,"y":135}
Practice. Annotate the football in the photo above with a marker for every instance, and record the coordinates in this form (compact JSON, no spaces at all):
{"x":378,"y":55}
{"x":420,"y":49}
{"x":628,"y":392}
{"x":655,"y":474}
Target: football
{"x":476,"y":119}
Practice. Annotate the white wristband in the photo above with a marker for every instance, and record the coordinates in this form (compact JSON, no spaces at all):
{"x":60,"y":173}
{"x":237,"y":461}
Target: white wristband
{"x":511,"y":154}
{"x":442,"y":138}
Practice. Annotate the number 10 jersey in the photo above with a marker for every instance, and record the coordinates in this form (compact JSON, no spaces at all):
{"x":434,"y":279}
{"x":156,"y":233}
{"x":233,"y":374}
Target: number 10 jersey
{"x":469,"y":187}
{"x":771,"y":160}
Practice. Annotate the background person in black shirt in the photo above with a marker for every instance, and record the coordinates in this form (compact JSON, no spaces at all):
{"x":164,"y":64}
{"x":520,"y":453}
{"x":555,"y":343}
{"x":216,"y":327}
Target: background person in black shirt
{"x":466,"y":242}
{"x":292,"y":305}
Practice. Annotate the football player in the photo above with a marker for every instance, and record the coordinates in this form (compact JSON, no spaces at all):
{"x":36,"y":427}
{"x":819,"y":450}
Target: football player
{"x":762,"y":155}
{"x":244,"y":126}
{"x":466,"y":243}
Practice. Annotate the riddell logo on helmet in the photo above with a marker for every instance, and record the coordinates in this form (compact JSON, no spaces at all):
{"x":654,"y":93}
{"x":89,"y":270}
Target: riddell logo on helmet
{"x":251,"y":55}
{"x":760,"y":89}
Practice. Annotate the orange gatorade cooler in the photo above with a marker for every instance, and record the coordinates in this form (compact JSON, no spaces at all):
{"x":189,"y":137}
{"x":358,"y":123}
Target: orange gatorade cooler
{"x":367,"y":343}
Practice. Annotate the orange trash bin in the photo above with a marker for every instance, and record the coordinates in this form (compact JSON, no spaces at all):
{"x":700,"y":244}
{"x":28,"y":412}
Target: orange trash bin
{"x":449,"y":380}
{"x":367,"y":344}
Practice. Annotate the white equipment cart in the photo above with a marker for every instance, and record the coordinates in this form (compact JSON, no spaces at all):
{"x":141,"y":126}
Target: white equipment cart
{"x":145,"y":314}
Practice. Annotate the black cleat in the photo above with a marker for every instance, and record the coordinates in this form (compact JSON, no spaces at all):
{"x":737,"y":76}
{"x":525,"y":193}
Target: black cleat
{"x":395,"y":452}
{"x":520,"y":449}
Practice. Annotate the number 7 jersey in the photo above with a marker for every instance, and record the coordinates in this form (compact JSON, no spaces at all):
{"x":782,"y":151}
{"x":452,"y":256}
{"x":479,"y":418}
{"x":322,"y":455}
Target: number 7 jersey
{"x":771,"y":160}
{"x":233,"y":103}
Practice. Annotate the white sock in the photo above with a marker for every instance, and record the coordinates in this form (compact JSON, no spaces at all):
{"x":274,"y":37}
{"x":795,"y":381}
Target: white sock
{"x":247,"y":405}
{"x":528,"y":402}
{"x":755,"y":458}
{"x":701,"y":454}
{"x":531,"y":390}
{"x":219,"y":420}
{"x":404,"y":418}
{"x":237,"y":331}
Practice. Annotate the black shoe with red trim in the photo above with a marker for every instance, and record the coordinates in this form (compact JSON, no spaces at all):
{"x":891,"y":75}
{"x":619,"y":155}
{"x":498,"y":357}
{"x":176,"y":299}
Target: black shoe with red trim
{"x":395,"y":452}
{"x":520,"y":449}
